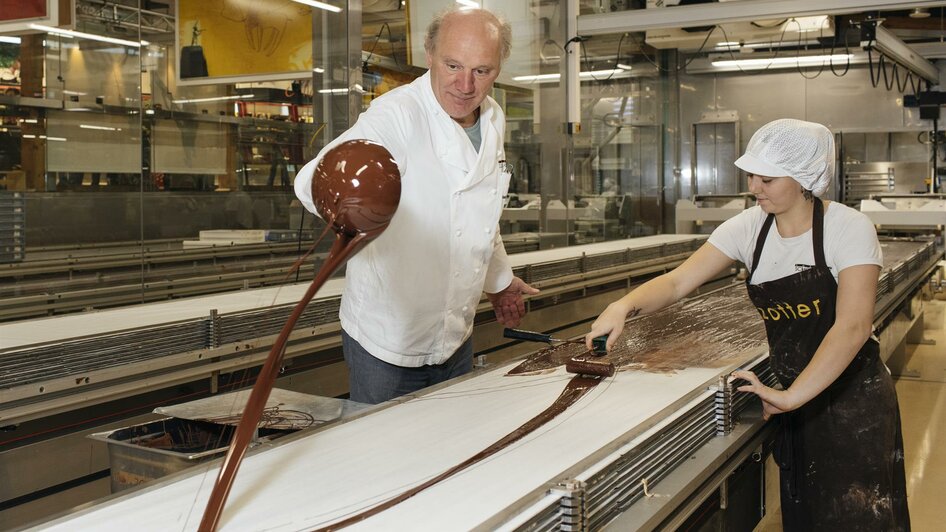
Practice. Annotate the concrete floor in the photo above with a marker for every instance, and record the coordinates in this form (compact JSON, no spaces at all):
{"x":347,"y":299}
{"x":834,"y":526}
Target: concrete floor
{"x":921,"y":389}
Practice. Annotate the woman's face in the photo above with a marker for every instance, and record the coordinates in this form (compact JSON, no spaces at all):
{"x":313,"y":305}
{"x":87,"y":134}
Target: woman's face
{"x":775,"y":194}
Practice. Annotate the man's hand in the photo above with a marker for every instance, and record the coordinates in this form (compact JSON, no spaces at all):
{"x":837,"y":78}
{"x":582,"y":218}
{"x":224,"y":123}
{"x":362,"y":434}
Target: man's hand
{"x":508,"y":303}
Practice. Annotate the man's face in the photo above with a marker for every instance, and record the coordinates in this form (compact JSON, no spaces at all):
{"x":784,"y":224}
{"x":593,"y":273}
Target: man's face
{"x":463,"y":66}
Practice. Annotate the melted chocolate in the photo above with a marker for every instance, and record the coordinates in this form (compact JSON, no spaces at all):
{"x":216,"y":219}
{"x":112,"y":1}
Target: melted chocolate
{"x":576,"y":388}
{"x":708,"y":332}
{"x":356,"y":189}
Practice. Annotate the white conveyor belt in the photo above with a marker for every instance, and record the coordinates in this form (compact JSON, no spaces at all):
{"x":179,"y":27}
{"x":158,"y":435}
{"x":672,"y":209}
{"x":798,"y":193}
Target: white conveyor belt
{"x":325,"y":476}
{"x":57,"y":328}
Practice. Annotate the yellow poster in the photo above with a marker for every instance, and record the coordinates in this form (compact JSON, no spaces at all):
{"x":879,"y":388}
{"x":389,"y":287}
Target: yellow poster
{"x":243,"y":40}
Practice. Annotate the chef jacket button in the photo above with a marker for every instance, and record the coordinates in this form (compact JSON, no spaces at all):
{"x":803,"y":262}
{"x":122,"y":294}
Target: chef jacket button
{"x":492,"y":191}
{"x":476,"y":271}
{"x":486,"y":230}
{"x":465,"y":308}
{"x":459,"y":232}
{"x":456,"y":274}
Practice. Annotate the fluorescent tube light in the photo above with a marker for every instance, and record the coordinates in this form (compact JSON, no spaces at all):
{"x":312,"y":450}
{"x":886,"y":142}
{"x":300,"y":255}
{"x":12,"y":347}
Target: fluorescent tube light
{"x":468,"y":4}
{"x":90,"y":36}
{"x":804,"y":60}
{"x":320,"y":5}
{"x":216,"y":98}
{"x":100,"y":128}
{"x":590,"y":74}
{"x":9,"y":40}
{"x":333,"y":91}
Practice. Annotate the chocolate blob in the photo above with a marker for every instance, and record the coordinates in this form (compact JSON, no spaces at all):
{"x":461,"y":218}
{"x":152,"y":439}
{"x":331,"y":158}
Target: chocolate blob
{"x":356,"y":187}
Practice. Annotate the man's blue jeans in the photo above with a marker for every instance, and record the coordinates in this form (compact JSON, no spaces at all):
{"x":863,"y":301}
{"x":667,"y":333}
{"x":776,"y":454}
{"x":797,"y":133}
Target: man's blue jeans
{"x":373,"y":381}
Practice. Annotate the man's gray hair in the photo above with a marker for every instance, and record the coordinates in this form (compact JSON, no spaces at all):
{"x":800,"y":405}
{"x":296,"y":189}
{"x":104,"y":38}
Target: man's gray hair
{"x":505,"y":29}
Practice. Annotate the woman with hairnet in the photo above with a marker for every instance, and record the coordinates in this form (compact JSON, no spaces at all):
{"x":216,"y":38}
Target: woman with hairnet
{"x":815,"y":264}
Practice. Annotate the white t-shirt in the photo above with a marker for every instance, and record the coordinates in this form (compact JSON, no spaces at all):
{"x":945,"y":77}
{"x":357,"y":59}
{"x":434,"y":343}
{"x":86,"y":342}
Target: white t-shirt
{"x":849,"y":240}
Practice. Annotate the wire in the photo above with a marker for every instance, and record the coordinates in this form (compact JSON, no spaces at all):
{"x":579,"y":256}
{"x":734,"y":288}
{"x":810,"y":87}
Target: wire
{"x":640,"y":46}
{"x":847,"y":52}
{"x":377,"y":38}
{"x":778,"y":49}
{"x":584,"y":53}
{"x":892,"y":80}
{"x":798,"y":55}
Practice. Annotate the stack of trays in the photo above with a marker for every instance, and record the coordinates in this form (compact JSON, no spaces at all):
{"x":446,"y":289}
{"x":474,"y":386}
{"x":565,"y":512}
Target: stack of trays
{"x":12,"y":226}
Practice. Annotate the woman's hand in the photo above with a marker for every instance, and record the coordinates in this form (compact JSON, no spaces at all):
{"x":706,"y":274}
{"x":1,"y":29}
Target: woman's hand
{"x":611,"y":323}
{"x":773,"y":401}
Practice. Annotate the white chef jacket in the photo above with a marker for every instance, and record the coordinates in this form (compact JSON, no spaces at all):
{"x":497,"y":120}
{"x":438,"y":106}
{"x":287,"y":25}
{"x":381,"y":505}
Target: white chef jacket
{"x":411,"y":294}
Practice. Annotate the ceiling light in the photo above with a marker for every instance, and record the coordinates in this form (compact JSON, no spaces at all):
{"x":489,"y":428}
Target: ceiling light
{"x":598,"y":75}
{"x":9,"y":40}
{"x":804,"y":60}
{"x":468,"y":4}
{"x":216,"y":99}
{"x":99,"y":128}
{"x":622,"y":66}
{"x":333,"y":91}
{"x":90,"y":36}
{"x":920,"y":12}
{"x":320,"y":5}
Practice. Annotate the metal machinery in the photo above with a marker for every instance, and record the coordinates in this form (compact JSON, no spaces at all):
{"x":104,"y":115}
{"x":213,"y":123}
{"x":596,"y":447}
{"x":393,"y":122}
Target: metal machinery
{"x":906,"y":212}
{"x":644,"y":452}
{"x":65,"y":376}
{"x":705,"y":212}
{"x":868,"y":180}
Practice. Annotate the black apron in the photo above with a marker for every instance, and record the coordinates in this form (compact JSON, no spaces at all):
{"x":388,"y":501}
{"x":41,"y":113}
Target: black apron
{"x":841,"y":454}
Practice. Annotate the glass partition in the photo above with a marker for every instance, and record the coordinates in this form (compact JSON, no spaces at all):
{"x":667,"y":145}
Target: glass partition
{"x":154,"y":143}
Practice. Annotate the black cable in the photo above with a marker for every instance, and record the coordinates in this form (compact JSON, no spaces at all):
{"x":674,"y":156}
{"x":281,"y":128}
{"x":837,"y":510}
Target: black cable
{"x":640,"y":47}
{"x":893,"y":79}
{"x":778,"y":48}
{"x":798,"y":55}
{"x":874,"y":79}
{"x":847,"y":52}
{"x":882,"y":63}
{"x":617,"y":57}
{"x":377,"y":38}
{"x":777,"y":24}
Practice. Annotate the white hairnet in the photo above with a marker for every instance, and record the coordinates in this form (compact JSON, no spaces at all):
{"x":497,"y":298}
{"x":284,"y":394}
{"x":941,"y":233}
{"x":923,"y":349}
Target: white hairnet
{"x":801,"y":150}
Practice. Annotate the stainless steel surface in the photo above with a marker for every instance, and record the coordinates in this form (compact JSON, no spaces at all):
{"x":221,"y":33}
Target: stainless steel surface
{"x":67,"y":284}
{"x":715,"y":147}
{"x":864,"y":180}
{"x":715,"y":13}
{"x":823,"y":99}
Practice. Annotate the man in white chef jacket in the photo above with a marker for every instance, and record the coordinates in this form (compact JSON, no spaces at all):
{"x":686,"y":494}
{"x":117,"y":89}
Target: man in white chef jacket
{"x":410,"y":295}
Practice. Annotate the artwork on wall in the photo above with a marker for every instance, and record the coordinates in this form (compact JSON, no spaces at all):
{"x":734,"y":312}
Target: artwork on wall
{"x":229,"y":41}
{"x":17,"y":15}
{"x":22,"y":9}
